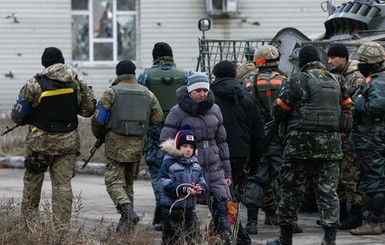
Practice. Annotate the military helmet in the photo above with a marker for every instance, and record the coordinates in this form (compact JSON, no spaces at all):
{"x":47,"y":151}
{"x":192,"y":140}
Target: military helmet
{"x":266,"y":55}
{"x":371,"y":53}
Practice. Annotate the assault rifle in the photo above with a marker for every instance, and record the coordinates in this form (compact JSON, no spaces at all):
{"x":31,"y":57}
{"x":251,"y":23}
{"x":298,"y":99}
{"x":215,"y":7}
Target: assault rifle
{"x":8,"y":129}
{"x":99,"y":142}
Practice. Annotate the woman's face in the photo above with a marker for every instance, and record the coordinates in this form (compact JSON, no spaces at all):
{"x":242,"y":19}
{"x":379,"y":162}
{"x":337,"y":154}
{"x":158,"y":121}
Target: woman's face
{"x":199,"y":94}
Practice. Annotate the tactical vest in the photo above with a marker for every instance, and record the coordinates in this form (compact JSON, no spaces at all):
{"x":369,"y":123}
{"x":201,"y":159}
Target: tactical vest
{"x":267,"y":87}
{"x":130,"y":113}
{"x":164,"y":83}
{"x":58,"y":106}
{"x":322,"y":111}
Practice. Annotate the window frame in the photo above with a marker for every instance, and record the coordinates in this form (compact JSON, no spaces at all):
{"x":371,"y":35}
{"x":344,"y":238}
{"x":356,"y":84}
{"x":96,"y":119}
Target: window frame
{"x":92,"y":40}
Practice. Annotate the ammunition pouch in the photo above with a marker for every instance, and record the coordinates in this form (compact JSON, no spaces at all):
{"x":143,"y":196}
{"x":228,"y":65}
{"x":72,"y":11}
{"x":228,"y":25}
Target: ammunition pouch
{"x":346,"y":122}
{"x":34,"y":165}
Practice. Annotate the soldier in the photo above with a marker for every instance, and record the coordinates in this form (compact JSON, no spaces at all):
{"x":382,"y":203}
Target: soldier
{"x":348,"y":188}
{"x":50,"y":102}
{"x":367,"y":136}
{"x":126,"y":109}
{"x":310,"y":104}
{"x":163,"y":78}
{"x":265,"y":87}
{"x":247,"y":70}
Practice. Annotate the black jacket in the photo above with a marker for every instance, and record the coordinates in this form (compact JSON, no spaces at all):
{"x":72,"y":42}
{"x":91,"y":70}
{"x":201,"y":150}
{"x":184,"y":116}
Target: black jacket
{"x":241,"y":116}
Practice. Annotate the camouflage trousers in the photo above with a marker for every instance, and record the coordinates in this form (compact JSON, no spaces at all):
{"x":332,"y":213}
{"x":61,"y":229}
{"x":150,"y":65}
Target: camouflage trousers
{"x":119,"y":180}
{"x":154,"y":158}
{"x":349,"y":186}
{"x":61,"y":169}
{"x":153,"y":169}
{"x":295,"y":176}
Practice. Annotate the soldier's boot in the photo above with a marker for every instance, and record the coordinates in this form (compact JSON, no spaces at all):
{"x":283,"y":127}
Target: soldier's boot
{"x":157,"y":220}
{"x":330,"y":236}
{"x":128,"y":217}
{"x":271,"y":218}
{"x":353,"y":220}
{"x":285,"y":236}
{"x":252,"y":221}
{"x":367,"y":228}
{"x":376,"y":208}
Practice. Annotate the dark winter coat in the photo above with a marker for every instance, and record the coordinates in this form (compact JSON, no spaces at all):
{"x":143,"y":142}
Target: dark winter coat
{"x":175,"y":176}
{"x":240,"y":116}
{"x":369,"y":130}
{"x":206,"y":122}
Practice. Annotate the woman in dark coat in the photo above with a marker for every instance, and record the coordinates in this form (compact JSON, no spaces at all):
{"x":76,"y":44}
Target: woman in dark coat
{"x":196,"y":107}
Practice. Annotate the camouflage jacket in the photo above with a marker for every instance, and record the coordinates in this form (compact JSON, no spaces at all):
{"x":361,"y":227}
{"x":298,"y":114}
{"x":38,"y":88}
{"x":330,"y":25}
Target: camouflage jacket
{"x":245,"y":71}
{"x":119,"y":147}
{"x":300,"y":144}
{"x":353,"y":77}
{"x":56,"y":143}
{"x":355,"y":81}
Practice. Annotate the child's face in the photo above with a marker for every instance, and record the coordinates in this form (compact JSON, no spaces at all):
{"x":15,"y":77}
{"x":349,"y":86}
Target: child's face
{"x":187,"y":150}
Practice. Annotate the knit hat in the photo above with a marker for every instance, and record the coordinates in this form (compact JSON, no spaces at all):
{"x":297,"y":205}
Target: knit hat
{"x":185,"y":136}
{"x":225,"y":69}
{"x":308,"y":53}
{"x":196,"y":80}
{"x":125,"y":67}
{"x":161,"y":49}
{"x":51,"y":55}
{"x":338,"y":50}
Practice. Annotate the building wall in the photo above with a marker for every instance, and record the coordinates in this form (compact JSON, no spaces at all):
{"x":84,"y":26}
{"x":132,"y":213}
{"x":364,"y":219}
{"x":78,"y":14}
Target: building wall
{"x":43,"y":23}
{"x":38,"y":24}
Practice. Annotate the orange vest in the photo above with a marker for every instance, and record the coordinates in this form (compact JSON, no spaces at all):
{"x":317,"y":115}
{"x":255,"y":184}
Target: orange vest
{"x":267,"y":87}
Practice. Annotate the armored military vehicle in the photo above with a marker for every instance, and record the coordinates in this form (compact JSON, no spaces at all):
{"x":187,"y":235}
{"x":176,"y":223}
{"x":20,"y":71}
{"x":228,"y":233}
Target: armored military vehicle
{"x":351,"y":23}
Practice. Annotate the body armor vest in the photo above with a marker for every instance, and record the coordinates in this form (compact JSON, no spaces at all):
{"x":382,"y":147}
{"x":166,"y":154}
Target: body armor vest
{"x":164,"y":83}
{"x":58,"y":106}
{"x":130,"y":113}
{"x":267,"y":87}
{"x":322,"y":111}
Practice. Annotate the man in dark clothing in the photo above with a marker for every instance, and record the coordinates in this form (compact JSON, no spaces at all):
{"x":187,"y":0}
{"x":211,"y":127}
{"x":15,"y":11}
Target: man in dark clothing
{"x":310,"y":104}
{"x":163,"y":78}
{"x":241,"y":120}
{"x":349,"y":190}
{"x":368,"y":137}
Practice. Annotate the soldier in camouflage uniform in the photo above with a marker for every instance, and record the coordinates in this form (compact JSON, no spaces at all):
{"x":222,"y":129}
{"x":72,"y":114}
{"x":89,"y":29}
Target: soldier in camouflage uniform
{"x":246,"y":71}
{"x":125,"y":110}
{"x":265,"y":86}
{"x":348,"y":188}
{"x":163,"y":78}
{"x":310,"y":104}
{"x":367,"y":137}
{"x":50,"y":102}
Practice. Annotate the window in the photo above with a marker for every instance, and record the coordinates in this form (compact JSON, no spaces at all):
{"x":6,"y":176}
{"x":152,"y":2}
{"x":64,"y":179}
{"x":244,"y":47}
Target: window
{"x":103,"y":30}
